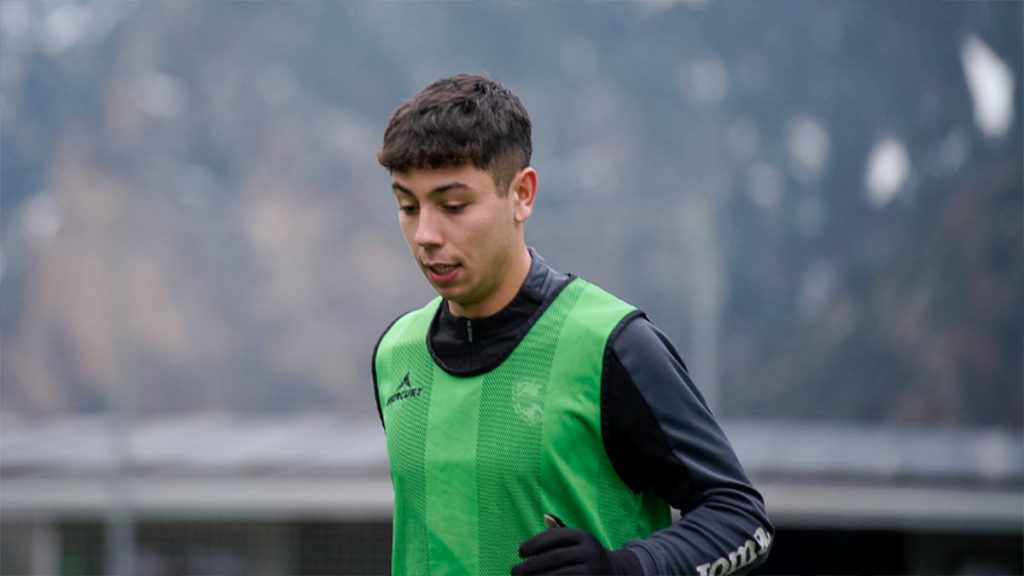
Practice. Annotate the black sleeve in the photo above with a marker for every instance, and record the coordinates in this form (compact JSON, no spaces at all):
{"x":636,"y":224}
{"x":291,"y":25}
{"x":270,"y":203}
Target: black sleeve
{"x":661,"y":437}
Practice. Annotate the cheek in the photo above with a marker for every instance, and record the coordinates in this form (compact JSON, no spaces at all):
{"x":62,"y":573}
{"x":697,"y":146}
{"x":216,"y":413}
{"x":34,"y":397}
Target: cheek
{"x":492,"y":240}
{"x":485,"y":234}
{"x":408,"y":231}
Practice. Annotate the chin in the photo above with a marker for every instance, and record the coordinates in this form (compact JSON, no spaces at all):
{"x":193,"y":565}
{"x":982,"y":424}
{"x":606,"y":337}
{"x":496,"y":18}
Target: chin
{"x":450,"y":294}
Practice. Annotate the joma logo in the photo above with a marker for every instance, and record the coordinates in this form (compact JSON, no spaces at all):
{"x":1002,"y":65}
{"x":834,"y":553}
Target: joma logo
{"x":742,"y":556}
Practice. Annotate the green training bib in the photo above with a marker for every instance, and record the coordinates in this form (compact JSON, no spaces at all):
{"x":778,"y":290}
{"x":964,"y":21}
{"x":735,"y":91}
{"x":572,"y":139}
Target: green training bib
{"x":477,"y":461}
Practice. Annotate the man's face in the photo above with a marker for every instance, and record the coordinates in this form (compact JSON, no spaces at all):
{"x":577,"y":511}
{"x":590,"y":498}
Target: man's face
{"x":466,"y":238}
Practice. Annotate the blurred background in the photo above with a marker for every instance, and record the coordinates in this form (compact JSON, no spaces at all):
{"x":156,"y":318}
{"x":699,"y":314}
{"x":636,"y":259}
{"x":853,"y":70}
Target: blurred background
{"x":819,"y":202}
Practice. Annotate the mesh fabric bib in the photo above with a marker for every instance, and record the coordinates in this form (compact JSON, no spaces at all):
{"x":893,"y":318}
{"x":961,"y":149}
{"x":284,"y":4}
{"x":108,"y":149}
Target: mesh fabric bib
{"x":477,"y":461}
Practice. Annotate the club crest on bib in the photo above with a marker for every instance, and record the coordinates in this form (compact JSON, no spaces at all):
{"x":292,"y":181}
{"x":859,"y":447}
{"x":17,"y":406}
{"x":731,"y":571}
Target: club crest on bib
{"x":528,"y":401}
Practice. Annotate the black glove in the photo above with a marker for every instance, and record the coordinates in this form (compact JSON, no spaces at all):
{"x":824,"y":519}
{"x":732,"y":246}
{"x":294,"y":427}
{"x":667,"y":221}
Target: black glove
{"x":572,"y":551}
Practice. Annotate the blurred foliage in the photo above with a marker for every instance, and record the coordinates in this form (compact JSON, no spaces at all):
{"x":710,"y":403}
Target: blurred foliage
{"x":193,"y":217}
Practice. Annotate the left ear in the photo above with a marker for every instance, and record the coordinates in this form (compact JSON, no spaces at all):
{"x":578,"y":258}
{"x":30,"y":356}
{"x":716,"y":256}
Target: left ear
{"x":523,"y":189}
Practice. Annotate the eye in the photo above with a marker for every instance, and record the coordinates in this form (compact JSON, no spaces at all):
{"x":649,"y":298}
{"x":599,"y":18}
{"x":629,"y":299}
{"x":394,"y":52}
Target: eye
{"x":454,"y":208}
{"x":408,"y":209}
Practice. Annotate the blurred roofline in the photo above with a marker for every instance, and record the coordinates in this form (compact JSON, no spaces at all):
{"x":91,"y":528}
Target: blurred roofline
{"x":792,"y":505}
{"x":318,"y":466}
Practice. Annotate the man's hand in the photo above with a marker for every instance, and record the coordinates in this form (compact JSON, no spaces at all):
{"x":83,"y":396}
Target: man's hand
{"x":571,"y":551}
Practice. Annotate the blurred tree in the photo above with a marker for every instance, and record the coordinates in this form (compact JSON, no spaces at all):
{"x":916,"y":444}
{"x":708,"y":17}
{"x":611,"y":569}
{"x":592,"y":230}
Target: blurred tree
{"x":190,"y":190}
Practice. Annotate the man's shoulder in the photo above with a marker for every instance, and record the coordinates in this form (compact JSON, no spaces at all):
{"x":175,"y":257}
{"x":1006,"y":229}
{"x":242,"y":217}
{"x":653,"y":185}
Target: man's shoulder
{"x":598,"y":310}
{"x":631,"y":328}
{"x":411,"y":319}
{"x":597,"y":291}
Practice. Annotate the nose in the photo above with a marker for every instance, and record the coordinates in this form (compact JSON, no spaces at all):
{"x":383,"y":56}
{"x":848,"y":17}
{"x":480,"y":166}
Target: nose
{"x":428,"y":229}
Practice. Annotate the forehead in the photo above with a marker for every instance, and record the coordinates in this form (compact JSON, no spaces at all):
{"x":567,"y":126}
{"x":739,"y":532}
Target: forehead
{"x":423,"y":181}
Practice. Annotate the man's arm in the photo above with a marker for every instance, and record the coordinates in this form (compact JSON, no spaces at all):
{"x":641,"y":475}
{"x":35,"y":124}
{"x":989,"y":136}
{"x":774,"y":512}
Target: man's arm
{"x":661,"y":436}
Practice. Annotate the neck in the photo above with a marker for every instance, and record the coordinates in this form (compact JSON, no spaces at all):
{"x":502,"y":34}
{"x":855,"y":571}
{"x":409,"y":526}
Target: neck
{"x":510,"y":285}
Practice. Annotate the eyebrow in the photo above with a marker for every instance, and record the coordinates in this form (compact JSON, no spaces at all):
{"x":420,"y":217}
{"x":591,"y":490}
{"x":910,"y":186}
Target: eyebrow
{"x":437,"y":190}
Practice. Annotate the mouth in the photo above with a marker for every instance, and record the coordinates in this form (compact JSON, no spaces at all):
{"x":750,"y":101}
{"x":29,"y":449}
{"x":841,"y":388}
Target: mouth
{"x":442,"y":273}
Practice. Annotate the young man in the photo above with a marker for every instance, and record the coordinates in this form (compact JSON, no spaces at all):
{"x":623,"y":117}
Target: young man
{"x":535,"y":423}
